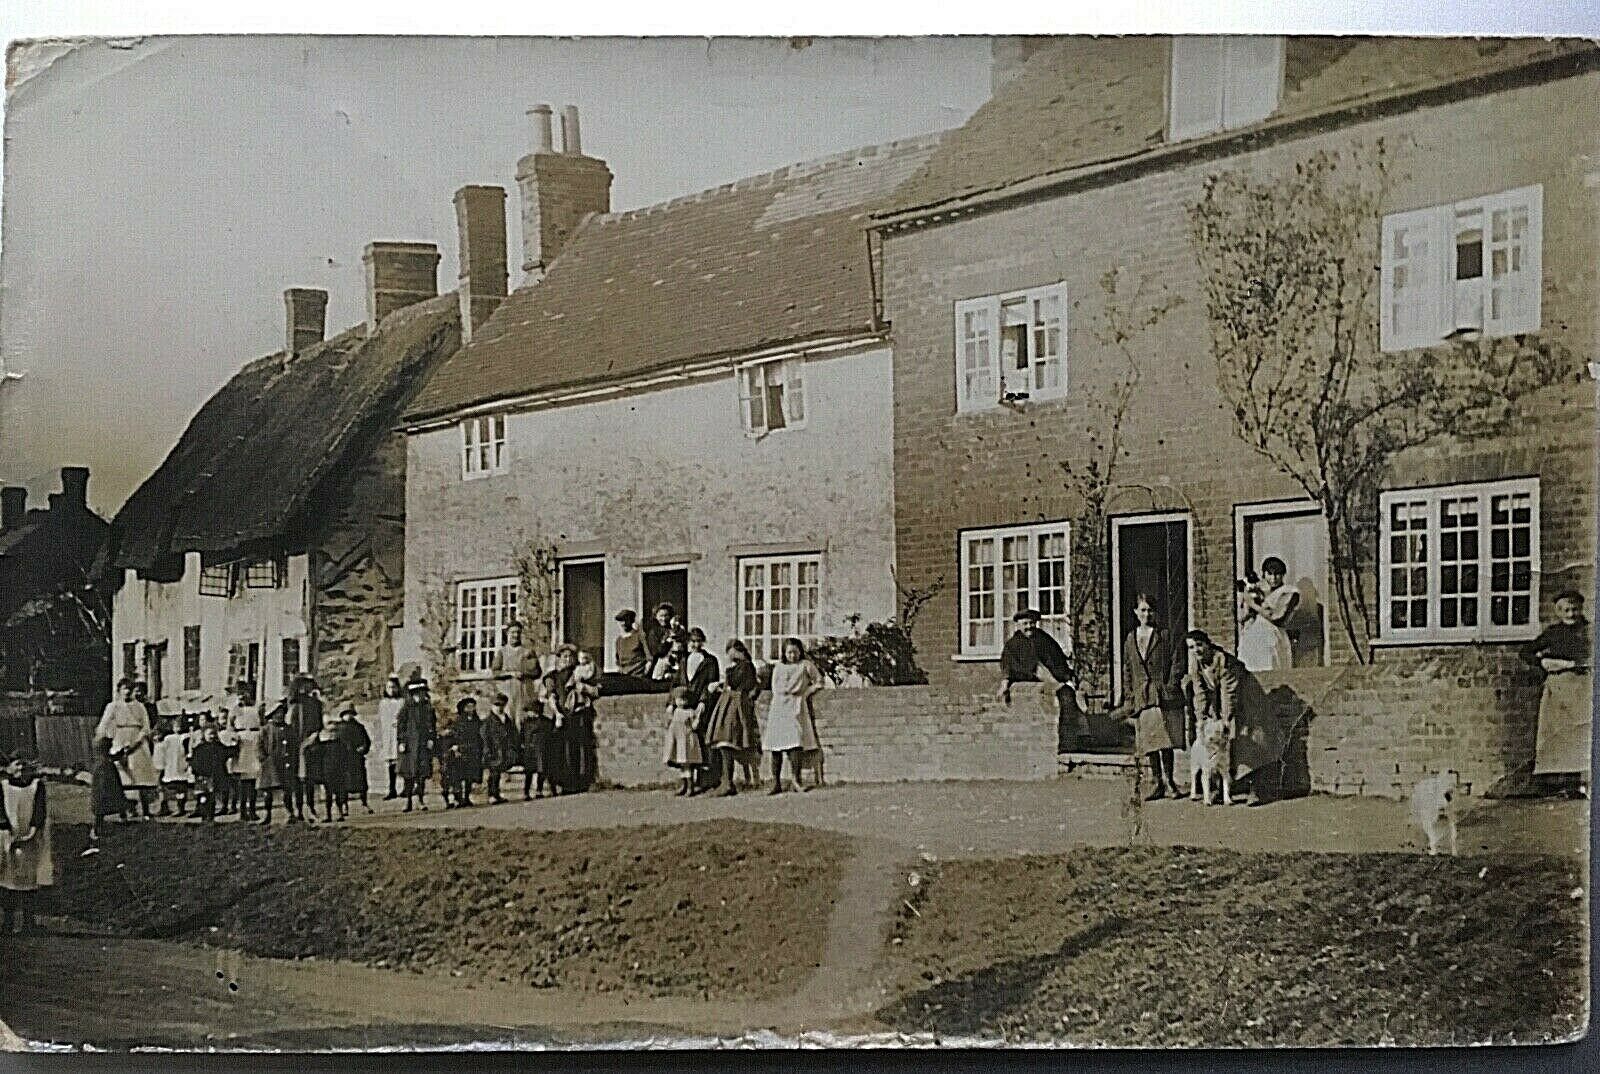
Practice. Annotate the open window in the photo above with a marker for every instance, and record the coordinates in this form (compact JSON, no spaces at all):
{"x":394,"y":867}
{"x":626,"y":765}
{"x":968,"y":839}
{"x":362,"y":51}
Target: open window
{"x":772,"y":396}
{"x":1011,"y":347}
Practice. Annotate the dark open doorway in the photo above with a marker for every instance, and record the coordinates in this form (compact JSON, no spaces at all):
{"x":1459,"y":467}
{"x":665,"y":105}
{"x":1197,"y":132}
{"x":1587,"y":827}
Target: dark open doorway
{"x":664,"y":585}
{"x":583,"y":607}
{"x":1150,"y":554}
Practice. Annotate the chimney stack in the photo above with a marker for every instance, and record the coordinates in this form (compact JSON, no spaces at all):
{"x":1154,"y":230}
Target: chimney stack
{"x":557,"y":190}
{"x":543,"y":140}
{"x":399,"y":274}
{"x":75,"y":487}
{"x":13,"y":507}
{"x":307,"y":318}
{"x":570,"y":141}
{"x":481,"y":232}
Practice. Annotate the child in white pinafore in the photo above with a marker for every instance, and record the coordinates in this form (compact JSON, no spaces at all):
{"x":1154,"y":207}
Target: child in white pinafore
{"x":684,"y":750}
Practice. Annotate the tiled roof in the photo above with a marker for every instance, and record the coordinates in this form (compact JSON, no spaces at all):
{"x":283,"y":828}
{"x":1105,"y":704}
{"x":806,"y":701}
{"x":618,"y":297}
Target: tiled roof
{"x":1084,"y":101}
{"x":262,"y":446}
{"x":772,"y":260}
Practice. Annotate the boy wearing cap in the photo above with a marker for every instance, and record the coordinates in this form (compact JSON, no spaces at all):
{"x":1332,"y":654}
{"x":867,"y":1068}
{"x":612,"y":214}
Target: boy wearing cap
{"x":1025,"y":652}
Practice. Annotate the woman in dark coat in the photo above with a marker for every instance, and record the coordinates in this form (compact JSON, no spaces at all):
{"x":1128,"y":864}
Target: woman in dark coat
{"x":415,"y":738}
{"x":1152,"y":676}
{"x":733,"y":731}
{"x":499,"y":744}
{"x":358,"y":743}
{"x":571,"y":704}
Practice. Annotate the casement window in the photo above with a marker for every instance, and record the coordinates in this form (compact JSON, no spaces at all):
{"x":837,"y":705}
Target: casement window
{"x":772,"y":396}
{"x":244,"y":666}
{"x":219,"y":580}
{"x":778,"y":598}
{"x":483,"y":446}
{"x":484,"y":611}
{"x":1459,"y":563}
{"x":191,"y":658}
{"x":1464,"y":268}
{"x":289,"y":650}
{"x":1222,"y":83}
{"x":1011,"y":347}
{"x":265,"y":573}
{"x":1003,"y":570}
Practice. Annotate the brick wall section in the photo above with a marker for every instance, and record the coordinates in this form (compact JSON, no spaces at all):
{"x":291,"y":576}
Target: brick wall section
{"x":871,"y":735}
{"x":1000,"y":467}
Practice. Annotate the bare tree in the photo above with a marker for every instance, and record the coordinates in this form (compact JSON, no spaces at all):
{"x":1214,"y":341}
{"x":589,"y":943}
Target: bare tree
{"x":1288,"y":266}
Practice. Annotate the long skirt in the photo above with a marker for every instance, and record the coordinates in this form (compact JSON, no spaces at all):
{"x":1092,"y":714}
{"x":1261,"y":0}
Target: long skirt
{"x":1157,"y":728}
{"x":106,"y":789}
{"x":1566,"y":714}
{"x":579,"y":757}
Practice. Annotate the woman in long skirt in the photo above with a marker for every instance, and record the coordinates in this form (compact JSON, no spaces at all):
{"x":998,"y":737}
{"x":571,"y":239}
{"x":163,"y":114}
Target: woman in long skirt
{"x":733,"y":733}
{"x":127,"y":724}
{"x":1151,"y":674}
{"x":26,"y":859}
{"x":1566,"y":709}
{"x":791,"y":728}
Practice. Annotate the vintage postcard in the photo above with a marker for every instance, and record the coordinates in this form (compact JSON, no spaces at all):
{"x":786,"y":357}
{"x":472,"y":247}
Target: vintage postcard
{"x":535,"y":543}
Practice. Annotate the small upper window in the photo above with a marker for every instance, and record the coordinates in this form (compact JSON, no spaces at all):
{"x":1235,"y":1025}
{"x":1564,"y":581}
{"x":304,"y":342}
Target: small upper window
{"x":1011,"y":347}
{"x":265,"y":574}
{"x":483,"y":445}
{"x":1460,"y":269}
{"x":1221,"y":83}
{"x":219,"y":580}
{"x":772,"y":396}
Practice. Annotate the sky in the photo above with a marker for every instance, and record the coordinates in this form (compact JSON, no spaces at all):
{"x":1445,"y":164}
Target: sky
{"x":161,"y":193}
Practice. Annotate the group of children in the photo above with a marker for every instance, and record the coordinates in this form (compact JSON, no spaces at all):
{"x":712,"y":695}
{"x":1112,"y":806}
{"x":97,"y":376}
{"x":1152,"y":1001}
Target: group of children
{"x":239,"y":764}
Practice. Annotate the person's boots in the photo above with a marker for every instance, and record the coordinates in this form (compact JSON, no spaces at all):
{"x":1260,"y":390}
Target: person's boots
{"x":391,"y":796}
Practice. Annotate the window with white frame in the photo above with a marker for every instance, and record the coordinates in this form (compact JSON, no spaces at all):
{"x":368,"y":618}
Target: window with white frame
{"x":483,"y":445}
{"x":1468,"y":267}
{"x":485,"y":609}
{"x":778,"y":598}
{"x":1003,"y":570}
{"x":1222,"y":83}
{"x":1459,"y":563}
{"x":1011,"y":347}
{"x":772,"y":395}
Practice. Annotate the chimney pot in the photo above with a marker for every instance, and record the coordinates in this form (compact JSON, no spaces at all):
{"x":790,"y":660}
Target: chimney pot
{"x":571,"y":141}
{"x":75,"y":486}
{"x":13,"y":507}
{"x":481,"y":231}
{"x":543,"y":138}
{"x":306,"y":316}
{"x":399,"y":274}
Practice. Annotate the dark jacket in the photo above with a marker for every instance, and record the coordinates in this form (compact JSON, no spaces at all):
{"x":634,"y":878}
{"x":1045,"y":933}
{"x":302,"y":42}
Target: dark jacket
{"x":633,"y":654}
{"x":468,"y":735}
{"x":418,"y":727}
{"x":707,"y":673}
{"x":500,"y":746}
{"x":1562,"y":642}
{"x":305,"y":718}
{"x":357,"y":744}
{"x":278,"y":766}
{"x":1154,"y":678}
{"x":328,"y":762}
{"x":209,"y":760}
{"x":1023,"y":655}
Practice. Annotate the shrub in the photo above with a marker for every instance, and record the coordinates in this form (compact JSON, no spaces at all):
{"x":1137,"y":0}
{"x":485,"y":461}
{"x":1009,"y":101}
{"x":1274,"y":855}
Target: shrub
{"x":881,"y":653}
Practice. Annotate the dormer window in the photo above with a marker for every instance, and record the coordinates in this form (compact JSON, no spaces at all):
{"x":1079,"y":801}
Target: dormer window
{"x":1222,"y":83}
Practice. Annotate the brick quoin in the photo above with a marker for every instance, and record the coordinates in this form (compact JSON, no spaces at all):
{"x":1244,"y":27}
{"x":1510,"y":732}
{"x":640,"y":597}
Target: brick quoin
{"x":954,"y":471}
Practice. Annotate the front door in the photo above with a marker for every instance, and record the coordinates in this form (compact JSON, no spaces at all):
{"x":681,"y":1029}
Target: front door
{"x":664,"y":585}
{"x":583,"y":607}
{"x":1149,"y":556}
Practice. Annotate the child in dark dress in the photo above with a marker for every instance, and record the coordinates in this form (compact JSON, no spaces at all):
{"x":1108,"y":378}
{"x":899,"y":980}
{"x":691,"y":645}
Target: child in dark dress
{"x":209,"y":762}
{"x":538,"y":732}
{"x":106,"y":790}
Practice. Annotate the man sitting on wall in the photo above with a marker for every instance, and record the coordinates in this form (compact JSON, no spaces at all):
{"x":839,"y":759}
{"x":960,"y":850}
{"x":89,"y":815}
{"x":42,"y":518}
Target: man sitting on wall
{"x":1025,"y":652}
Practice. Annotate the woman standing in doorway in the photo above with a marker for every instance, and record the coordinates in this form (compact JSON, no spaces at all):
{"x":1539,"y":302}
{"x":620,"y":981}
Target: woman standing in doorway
{"x":1263,"y":639}
{"x":1563,"y":652}
{"x":791,"y":728}
{"x":1151,"y":697}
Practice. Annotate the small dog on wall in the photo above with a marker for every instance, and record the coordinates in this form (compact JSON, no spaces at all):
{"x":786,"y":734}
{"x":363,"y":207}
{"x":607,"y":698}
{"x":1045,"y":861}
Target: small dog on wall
{"x":1209,"y":756}
{"x":1433,"y":808}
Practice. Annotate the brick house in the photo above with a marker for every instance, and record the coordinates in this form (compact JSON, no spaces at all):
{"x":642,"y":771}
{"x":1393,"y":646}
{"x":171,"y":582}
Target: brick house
{"x":269,"y":542}
{"x":49,"y":602}
{"x":1087,"y":160}
{"x":687,"y":403}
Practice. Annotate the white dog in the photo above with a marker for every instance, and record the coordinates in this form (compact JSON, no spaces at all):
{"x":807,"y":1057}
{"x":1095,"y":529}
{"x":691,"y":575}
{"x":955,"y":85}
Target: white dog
{"x":1433,"y":807}
{"x":1209,"y":756}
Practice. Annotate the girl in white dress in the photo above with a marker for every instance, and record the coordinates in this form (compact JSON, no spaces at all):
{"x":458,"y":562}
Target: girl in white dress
{"x":126,"y":725}
{"x":791,"y":728}
{"x":1263,"y":641}
{"x":388,"y":745}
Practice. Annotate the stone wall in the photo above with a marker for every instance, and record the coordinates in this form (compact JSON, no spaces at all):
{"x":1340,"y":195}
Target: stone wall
{"x":870,"y":735}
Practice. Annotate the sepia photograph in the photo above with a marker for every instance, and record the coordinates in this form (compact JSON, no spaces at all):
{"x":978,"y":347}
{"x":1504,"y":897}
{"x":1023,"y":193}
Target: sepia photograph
{"x":527,"y":543}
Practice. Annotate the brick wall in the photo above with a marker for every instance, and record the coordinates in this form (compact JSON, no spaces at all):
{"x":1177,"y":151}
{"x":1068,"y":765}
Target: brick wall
{"x":871,"y":735}
{"x":1000,"y":467}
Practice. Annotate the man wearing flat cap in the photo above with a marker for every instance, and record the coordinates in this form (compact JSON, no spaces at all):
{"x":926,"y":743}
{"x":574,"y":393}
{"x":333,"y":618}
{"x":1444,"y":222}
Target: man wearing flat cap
{"x":1028,"y":650}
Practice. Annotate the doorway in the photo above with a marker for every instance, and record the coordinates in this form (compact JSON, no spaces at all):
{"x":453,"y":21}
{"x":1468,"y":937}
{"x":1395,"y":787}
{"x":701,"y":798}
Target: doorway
{"x":583,"y":606}
{"x":1294,"y":531}
{"x":664,"y":585}
{"x":1149,"y":554}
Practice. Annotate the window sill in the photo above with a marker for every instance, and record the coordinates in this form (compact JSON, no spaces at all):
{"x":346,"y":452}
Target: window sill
{"x":975,"y":658}
{"x":480,"y":475}
{"x":1015,"y":406}
{"x":1418,"y":643}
